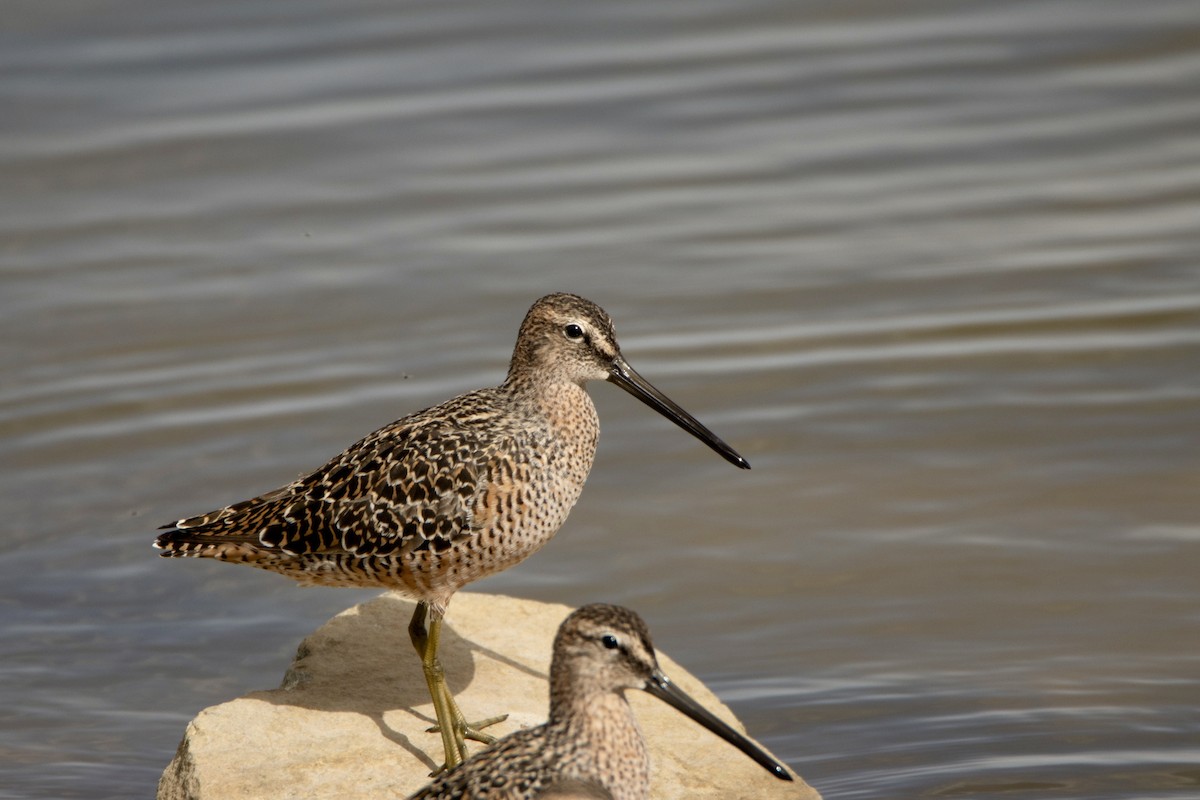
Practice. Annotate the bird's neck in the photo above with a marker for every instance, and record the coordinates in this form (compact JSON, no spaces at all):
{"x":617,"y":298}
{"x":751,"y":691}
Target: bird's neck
{"x":613,"y":743}
{"x":564,"y":404}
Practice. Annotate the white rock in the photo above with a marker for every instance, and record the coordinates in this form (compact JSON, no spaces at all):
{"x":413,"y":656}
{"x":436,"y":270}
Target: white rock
{"x":349,"y":720}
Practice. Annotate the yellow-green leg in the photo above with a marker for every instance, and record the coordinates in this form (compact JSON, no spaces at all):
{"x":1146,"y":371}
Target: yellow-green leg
{"x":452,"y":724}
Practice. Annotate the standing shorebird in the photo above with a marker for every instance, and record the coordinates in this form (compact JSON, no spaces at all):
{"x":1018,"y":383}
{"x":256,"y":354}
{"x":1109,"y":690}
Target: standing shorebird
{"x":591,"y":746}
{"x":447,"y":495}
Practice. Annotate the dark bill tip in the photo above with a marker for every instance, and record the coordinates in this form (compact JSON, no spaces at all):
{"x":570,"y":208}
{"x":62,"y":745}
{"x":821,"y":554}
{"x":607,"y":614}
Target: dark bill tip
{"x":664,"y":689}
{"x":628,"y":379}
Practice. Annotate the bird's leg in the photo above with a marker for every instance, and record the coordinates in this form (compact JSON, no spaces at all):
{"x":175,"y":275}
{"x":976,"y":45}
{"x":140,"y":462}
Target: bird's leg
{"x":452,"y":724}
{"x":425,"y":642}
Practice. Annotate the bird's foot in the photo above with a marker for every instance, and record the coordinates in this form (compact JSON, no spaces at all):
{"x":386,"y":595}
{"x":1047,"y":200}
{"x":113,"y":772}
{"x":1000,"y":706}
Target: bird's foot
{"x":464,"y":730}
{"x":474,"y":730}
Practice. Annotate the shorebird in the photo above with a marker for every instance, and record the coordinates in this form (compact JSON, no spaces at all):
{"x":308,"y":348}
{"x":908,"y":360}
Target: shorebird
{"x":591,"y":746}
{"x":447,"y":495}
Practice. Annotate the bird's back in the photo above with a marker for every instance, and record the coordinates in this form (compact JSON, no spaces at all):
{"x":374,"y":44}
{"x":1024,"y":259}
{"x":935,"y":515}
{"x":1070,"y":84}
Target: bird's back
{"x":545,"y":761}
{"x":424,"y":505}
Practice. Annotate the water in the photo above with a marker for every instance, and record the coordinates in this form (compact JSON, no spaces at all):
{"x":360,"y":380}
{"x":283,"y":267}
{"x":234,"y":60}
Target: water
{"x":932,"y":267}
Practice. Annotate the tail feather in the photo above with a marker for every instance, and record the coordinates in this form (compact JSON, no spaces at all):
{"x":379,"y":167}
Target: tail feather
{"x":234,"y":527}
{"x":178,"y":542}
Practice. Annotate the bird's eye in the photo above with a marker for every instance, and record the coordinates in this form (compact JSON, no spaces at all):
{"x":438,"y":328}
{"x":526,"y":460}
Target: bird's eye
{"x":573,"y":332}
{"x":610,"y":641}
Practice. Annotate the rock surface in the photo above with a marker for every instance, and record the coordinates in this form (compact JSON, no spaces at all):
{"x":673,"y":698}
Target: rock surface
{"x":349,"y":720}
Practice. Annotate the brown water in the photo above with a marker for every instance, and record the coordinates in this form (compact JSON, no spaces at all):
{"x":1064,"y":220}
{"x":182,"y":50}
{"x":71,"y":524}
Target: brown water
{"x":932,"y":267}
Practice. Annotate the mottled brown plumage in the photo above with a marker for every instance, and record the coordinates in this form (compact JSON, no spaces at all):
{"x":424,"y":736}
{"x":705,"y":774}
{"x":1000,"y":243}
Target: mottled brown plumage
{"x":591,"y":746}
{"x":447,"y":495}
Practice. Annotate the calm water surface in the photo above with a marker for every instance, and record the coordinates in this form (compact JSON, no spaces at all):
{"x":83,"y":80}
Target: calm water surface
{"x":932,"y":267}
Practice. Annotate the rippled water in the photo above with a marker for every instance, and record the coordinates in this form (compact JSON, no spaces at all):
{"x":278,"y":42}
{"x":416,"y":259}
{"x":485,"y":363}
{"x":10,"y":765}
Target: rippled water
{"x":932,"y":267}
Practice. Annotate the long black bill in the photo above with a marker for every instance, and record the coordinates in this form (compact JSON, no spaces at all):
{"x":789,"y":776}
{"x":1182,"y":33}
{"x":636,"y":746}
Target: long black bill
{"x":624,"y":376}
{"x":662,"y":687}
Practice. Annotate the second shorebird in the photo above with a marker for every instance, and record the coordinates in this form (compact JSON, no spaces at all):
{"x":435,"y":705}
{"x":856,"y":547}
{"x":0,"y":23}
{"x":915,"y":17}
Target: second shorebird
{"x":447,"y":495}
{"x":591,"y":747}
